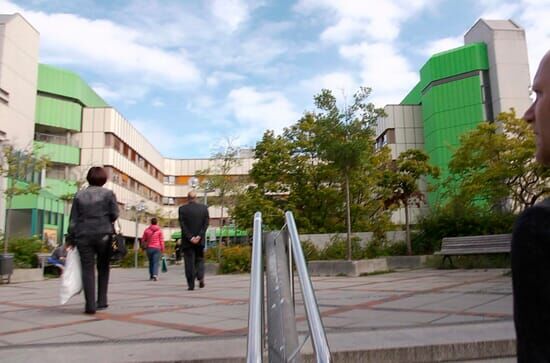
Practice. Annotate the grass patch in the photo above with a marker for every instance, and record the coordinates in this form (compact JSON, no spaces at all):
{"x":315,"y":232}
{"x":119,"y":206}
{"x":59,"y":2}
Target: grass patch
{"x":471,"y":262}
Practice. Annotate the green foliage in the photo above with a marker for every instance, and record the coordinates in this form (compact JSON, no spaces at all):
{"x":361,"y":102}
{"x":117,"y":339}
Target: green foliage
{"x":25,"y":250}
{"x":311,"y":252}
{"x":235,"y":259}
{"x":337,"y":249}
{"x":401,"y":183}
{"x":129,"y":260}
{"x":302,"y":171}
{"x":494,"y":162}
{"x":455,"y":221}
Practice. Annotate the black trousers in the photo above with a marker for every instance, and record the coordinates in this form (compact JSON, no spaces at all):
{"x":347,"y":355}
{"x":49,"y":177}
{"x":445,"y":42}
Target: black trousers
{"x":89,"y":247}
{"x":194,"y":264}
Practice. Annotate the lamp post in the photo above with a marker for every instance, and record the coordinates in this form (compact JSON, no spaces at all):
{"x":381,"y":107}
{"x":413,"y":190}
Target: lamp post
{"x":138,"y":208}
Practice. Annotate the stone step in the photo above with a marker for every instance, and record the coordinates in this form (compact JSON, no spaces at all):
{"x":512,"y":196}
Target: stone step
{"x":488,"y":341}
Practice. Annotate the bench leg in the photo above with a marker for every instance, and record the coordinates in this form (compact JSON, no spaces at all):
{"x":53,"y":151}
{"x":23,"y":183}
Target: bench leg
{"x":447,"y":257}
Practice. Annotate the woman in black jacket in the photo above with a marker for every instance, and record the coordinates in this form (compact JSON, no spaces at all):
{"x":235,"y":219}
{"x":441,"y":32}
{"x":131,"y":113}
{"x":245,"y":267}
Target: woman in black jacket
{"x":93,"y":213}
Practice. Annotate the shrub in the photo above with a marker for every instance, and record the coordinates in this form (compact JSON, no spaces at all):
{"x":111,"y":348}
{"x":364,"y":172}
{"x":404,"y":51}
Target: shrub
{"x":337,"y":249}
{"x":25,"y":250}
{"x":310,"y":251}
{"x":129,"y":259}
{"x":453,"y":221}
{"x":235,"y":259}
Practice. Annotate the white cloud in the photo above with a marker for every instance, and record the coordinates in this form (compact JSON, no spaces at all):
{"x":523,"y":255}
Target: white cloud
{"x":230,"y":12}
{"x":343,"y":85}
{"x":257,"y":111}
{"x":383,"y":69}
{"x":126,"y":93}
{"x":111,"y":48}
{"x":218,"y":77}
{"x":443,"y":44}
{"x":157,"y":102}
{"x":352,"y":19}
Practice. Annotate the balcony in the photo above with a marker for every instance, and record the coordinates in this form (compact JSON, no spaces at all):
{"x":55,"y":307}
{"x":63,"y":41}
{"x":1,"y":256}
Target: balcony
{"x":58,"y":153}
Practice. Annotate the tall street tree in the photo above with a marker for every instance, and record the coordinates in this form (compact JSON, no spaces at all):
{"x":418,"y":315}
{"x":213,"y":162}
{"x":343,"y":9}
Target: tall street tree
{"x":346,"y":138}
{"x":401,"y":180}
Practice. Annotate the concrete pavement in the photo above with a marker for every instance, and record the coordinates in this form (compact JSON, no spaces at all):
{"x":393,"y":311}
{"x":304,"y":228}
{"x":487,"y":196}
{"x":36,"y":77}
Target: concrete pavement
{"x":425,"y":314}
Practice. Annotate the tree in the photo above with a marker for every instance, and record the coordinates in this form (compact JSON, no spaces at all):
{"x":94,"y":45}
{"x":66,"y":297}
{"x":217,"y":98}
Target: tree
{"x":22,"y":170}
{"x":219,"y":177}
{"x":402,"y":183}
{"x":346,"y":139}
{"x":292,"y":172}
{"x":494,"y":164}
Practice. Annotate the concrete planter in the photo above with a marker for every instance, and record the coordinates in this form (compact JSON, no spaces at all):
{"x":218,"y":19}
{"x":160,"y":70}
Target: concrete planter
{"x":27,"y":275}
{"x":357,"y":268}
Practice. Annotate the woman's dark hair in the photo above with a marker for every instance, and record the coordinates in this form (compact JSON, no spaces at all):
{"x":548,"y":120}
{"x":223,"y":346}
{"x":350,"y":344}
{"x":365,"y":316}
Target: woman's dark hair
{"x":97,"y":176}
{"x":154,"y":220}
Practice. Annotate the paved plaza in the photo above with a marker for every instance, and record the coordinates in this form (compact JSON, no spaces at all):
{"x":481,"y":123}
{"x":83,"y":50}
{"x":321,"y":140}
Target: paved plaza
{"x":162,"y":321}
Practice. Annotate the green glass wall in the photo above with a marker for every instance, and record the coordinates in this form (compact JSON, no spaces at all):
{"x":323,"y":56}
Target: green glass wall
{"x":61,"y":113}
{"x":67,"y":84}
{"x":451,"y":95}
{"x":64,"y":154}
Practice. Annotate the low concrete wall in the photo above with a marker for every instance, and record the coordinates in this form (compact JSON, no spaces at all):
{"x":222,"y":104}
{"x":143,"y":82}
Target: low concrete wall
{"x":27,"y":275}
{"x":321,"y":240}
{"x":357,"y":268}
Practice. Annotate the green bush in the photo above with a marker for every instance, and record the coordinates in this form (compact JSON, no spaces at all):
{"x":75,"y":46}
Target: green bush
{"x":129,"y":259}
{"x":454,"y":221}
{"x":25,"y":250}
{"x":310,"y":251}
{"x":337,"y":249}
{"x":235,"y":259}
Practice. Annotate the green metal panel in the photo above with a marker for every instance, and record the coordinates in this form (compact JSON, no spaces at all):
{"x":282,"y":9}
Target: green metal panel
{"x":449,"y":110}
{"x":453,"y":62}
{"x":64,"y":83}
{"x":65,"y":154}
{"x":57,"y":112}
{"x":60,"y":187}
{"x":414,"y":97}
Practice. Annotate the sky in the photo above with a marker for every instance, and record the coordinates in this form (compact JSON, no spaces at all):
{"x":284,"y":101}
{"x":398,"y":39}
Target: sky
{"x":192,"y":76}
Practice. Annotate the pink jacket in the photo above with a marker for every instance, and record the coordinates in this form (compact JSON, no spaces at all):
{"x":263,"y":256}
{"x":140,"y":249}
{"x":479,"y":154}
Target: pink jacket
{"x":153,"y":238}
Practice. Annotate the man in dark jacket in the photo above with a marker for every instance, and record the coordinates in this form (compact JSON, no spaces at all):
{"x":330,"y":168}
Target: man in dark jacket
{"x":193,"y":218}
{"x":531,"y":242}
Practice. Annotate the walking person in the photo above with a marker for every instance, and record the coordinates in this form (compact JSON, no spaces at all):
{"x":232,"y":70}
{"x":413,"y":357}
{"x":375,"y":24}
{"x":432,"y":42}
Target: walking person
{"x":93,"y":213}
{"x":531,"y":242}
{"x":153,"y":243}
{"x":193,"y":218}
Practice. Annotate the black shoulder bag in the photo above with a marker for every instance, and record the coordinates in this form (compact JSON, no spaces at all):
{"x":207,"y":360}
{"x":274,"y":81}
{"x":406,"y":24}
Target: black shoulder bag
{"x":118,"y":244}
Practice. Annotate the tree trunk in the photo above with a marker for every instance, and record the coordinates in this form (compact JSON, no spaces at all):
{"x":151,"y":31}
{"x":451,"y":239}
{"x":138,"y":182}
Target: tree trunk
{"x":408,"y":230}
{"x":348,"y":218}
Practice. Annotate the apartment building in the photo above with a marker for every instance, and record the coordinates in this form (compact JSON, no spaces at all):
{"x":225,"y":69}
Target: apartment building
{"x":458,"y":89}
{"x":57,"y":113}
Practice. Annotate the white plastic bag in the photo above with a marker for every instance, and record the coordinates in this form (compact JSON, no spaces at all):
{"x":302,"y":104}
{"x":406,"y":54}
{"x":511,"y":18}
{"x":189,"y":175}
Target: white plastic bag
{"x":71,"y":278}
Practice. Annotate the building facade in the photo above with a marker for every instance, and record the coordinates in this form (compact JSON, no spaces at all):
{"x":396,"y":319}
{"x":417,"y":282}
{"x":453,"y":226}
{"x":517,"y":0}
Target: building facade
{"x":54,"y":111}
{"x":458,"y":89}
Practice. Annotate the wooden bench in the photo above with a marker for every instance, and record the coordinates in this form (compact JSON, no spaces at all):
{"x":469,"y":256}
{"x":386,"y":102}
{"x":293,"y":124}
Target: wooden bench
{"x":474,"y":245}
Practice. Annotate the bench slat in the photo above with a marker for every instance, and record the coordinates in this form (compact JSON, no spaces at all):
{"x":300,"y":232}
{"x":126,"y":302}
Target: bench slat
{"x":467,"y":245}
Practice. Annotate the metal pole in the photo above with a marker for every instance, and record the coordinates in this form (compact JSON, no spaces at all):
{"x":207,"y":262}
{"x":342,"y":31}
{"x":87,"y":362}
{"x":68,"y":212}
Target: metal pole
{"x":318,"y":336}
{"x":255,"y":311}
{"x":136,"y":243}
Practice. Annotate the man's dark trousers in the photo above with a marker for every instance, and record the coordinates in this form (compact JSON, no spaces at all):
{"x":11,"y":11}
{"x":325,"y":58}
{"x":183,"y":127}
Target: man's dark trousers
{"x":194,"y":264}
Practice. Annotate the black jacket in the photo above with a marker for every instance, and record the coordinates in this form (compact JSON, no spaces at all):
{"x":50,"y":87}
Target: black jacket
{"x":531,"y":283}
{"x":94,"y":211}
{"x":193,"y":218}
